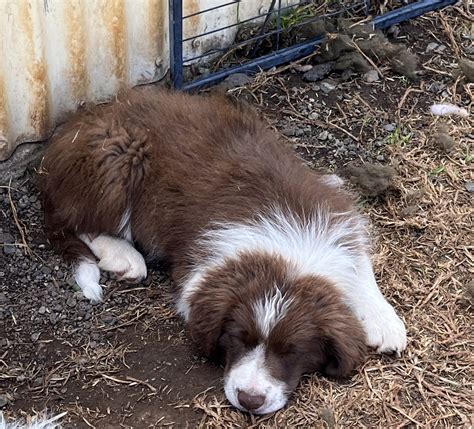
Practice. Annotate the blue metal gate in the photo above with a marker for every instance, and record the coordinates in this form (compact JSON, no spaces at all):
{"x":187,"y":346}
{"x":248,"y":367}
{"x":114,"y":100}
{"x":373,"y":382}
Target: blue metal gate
{"x":279,"y":54}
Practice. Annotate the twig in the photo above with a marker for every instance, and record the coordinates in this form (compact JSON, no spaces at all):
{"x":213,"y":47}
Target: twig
{"x":17,"y":221}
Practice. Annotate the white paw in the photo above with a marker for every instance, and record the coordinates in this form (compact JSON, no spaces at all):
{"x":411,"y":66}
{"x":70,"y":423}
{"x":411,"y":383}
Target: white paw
{"x":384,"y":329}
{"x":87,"y":276}
{"x":131,"y":268}
{"x":93,"y":292}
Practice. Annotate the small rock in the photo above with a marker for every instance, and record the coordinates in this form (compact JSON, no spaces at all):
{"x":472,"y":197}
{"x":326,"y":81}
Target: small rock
{"x":46,"y":270}
{"x":394,"y":30}
{"x":380,"y":158}
{"x":371,"y":76}
{"x":35,"y":336}
{"x":6,"y":238}
{"x":289,"y":131}
{"x":42,"y":310}
{"x":8,"y":249}
{"x":390,"y":127}
{"x":3,"y":342}
{"x":313,"y":116}
{"x":235,"y":80}
{"x":3,"y":401}
{"x":327,"y":86}
{"x":38,"y":381}
{"x":71,"y":302}
{"x":467,"y":67}
{"x":437,"y":87}
{"x":303,"y":68}
{"x":469,"y":186}
{"x":323,"y":136}
{"x":431,"y":47}
{"x":318,"y":72}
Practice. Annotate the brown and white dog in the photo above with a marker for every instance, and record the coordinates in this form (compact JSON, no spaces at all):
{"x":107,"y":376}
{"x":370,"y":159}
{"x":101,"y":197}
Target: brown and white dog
{"x":270,"y":260}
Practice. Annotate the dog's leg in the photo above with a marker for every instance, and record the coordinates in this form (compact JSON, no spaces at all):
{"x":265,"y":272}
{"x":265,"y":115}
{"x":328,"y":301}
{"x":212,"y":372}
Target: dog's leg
{"x":118,"y":256}
{"x":87,"y":276}
{"x":385,"y":330}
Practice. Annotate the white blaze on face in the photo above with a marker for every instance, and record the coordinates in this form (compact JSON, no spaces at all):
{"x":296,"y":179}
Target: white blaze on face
{"x":270,"y":310}
{"x":251,"y":375}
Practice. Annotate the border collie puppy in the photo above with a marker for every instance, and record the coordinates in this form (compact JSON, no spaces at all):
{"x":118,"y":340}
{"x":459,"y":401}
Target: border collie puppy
{"x":270,"y":260}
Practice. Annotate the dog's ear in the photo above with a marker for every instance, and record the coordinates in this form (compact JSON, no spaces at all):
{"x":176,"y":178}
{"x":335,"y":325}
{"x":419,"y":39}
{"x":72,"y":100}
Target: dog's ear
{"x":344,"y":346}
{"x":206,"y":318}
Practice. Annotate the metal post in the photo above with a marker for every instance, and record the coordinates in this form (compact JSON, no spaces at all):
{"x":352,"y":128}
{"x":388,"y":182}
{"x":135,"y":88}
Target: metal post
{"x":176,"y":42}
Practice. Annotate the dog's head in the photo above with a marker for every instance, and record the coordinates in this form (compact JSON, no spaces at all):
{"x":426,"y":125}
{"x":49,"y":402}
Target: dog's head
{"x":268,"y":329}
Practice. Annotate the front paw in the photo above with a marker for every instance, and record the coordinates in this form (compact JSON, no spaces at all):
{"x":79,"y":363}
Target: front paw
{"x":384,"y":329}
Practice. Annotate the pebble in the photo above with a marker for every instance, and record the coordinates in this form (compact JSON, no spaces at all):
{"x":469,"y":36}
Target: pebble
{"x":303,"y":68}
{"x":431,"y":47}
{"x":46,"y":270}
{"x":6,"y":238}
{"x":3,"y":401}
{"x":71,"y":302}
{"x":235,"y":80}
{"x":8,"y":249}
{"x":313,"y":116}
{"x":318,"y":72}
{"x":35,"y":336}
{"x":390,"y":127}
{"x":42,"y":310}
{"x":327,"y":87}
{"x":323,"y":135}
{"x":469,"y":186}
{"x":289,"y":131}
{"x":371,"y":76}
{"x":380,"y":158}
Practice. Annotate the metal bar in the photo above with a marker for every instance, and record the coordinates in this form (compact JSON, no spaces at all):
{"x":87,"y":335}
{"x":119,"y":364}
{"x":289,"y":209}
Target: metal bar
{"x":278,"y":26}
{"x":211,"y":9}
{"x":236,"y":24}
{"x":176,"y":42}
{"x":262,"y":63}
{"x":410,"y":11}
{"x":303,"y":49}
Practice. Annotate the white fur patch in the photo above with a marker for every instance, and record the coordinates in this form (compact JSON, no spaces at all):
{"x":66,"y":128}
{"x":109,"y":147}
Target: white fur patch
{"x":270,"y":310}
{"x":118,"y":256}
{"x":333,"y":180}
{"x":37,"y":422}
{"x":312,"y":246}
{"x":87,"y":276}
{"x":125,"y":226}
{"x":251,"y":375}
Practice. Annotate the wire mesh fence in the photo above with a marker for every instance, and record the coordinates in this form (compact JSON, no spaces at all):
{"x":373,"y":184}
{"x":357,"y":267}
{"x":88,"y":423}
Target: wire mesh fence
{"x":210,"y":44}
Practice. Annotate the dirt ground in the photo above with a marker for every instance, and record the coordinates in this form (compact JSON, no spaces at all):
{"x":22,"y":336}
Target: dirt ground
{"x":129,"y":362}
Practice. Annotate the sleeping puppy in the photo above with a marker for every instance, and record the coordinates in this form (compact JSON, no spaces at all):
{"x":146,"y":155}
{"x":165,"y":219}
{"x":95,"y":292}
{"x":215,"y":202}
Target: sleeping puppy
{"x":269,"y":259}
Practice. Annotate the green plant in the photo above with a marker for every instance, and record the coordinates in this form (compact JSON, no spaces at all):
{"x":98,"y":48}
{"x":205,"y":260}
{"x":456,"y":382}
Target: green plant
{"x":399,"y":137}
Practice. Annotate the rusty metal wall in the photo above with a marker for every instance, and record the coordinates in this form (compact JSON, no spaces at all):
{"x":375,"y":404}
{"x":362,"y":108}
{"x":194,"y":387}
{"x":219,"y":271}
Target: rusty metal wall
{"x":57,"y":54}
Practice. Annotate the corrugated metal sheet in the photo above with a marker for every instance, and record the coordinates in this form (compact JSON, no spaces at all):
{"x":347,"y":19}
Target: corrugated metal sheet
{"x":57,"y":54}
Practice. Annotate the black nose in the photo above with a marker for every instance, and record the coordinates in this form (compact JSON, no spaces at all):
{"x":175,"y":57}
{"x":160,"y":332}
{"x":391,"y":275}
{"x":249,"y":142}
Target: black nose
{"x":250,"y":402}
